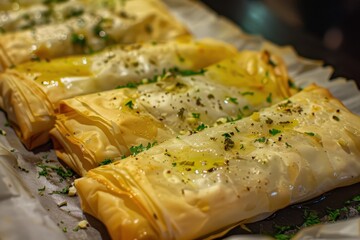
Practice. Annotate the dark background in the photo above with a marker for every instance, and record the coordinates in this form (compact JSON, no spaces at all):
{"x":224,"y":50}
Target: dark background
{"x":318,"y":29}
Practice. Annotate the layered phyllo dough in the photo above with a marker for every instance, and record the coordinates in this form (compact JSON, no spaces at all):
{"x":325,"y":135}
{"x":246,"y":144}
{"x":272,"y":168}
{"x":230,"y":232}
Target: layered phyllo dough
{"x":18,"y":16}
{"x":128,"y":22}
{"x":31,"y":91}
{"x":192,"y":186}
{"x":94,"y":128}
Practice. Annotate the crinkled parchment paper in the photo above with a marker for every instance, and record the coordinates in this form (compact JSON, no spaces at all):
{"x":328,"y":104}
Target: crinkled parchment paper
{"x":32,"y":208}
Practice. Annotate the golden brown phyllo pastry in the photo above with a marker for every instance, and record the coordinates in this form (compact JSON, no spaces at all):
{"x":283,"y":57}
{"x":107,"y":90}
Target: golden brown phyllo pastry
{"x":95,"y":128}
{"x":16,"y":16}
{"x":127,"y":22}
{"x":31,"y":91}
{"x":193,"y":186}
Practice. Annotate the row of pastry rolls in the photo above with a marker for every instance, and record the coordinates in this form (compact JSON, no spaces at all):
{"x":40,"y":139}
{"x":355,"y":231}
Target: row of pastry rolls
{"x":193,"y":186}
{"x":91,"y":129}
{"x":30,"y":92}
{"x":86,"y":29}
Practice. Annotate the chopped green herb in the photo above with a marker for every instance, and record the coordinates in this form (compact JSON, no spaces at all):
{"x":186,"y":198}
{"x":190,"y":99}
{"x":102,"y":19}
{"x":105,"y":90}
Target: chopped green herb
{"x":195,"y":115}
{"x":238,"y":117}
{"x":333,"y":214}
{"x":247,"y":93}
{"x":227,"y":135}
{"x":288,"y":145}
{"x":269,"y":98}
{"x":291,"y":84}
{"x":129,"y":85}
{"x":173,"y":164}
{"x":274,"y":131}
{"x":42,"y":189}
{"x":281,"y":232}
{"x":60,"y":171}
{"x":130,"y":104}
{"x":201,"y":127}
{"x":65,"y":190}
{"x":99,"y":31}
{"x":311,"y":218}
{"x":232,"y":99}
{"x":186,"y":73}
{"x":105,"y":162}
{"x":356,"y":198}
{"x":286,"y":104}
{"x":242,"y":146}
{"x":78,"y":39}
{"x":134,"y":150}
{"x":261,"y":140}
{"x":282,"y":236}
{"x":310,"y":133}
{"x":64,"y":173}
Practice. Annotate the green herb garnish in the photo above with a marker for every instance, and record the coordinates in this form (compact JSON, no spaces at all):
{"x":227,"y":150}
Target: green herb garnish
{"x":274,"y":131}
{"x":195,"y":115}
{"x":186,"y":73}
{"x":201,"y":127}
{"x":311,"y":218}
{"x":60,"y":171}
{"x":134,"y":150}
{"x":130,"y":104}
{"x":65,"y":190}
{"x":105,"y":162}
{"x":261,"y":140}
{"x":78,"y":39}
{"x":232,"y":99}
{"x":247,"y":93}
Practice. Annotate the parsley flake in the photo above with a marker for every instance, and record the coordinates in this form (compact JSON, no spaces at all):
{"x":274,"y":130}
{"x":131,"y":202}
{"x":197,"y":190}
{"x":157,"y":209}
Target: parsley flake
{"x":269,"y":98}
{"x":195,"y":115}
{"x":130,"y":104}
{"x":247,"y":93}
{"x":274,"y":131}
{"x":201,"y":127}
{"x":261,"y":140}
{"x":105,"y":162}
{"x":134,"y":150}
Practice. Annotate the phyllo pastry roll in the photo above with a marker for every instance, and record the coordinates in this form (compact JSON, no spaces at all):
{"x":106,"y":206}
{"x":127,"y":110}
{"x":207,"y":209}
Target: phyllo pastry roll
{"x":27,"y":16}
{"x":30,"y":91}
{"x":99,"y":127}
{"x":193,"y":186}
{"x":129,"y":22}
